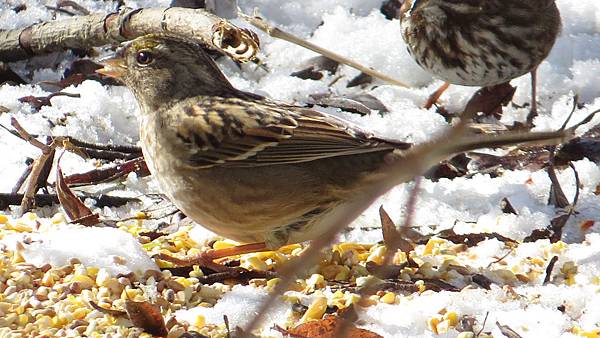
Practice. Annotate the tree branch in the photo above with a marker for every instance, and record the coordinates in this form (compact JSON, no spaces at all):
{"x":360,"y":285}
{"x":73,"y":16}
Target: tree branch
{"x":100,"y":29}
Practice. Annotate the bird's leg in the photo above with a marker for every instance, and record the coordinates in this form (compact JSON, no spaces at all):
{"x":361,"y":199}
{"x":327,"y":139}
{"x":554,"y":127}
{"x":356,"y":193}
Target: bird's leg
{"x":435,"y":96}
{"x":533,"y":111}
{"x":236,"y":250}
{"x":207,"y":258}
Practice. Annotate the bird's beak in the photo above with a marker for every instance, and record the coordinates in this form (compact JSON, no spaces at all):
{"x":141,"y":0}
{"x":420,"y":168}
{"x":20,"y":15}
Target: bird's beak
{"x":114,"y":66}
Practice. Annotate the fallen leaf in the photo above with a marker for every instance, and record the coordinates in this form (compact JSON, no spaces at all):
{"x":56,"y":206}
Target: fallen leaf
{"x":71,"y":204}
{"x":587,"y":224}
{"x":314,"y":67}
{"x":147,"y":317}
{"x":327,"y":327}
{"x":488,"y":101}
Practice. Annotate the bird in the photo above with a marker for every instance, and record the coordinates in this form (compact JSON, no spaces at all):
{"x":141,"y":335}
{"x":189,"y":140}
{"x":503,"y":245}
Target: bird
{"x":480,"y":43}
{"x":261,"y":172}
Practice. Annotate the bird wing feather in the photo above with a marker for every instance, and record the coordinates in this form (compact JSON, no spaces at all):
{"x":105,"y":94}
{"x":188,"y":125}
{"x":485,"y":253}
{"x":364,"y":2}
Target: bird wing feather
{"x":241,"y":133}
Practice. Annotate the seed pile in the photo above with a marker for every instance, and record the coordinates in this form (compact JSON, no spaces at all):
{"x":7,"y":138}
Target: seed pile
{"x":76,"y":300}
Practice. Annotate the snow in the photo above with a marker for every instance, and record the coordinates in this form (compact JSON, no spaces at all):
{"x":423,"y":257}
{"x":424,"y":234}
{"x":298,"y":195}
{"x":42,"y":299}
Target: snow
{"x":112,"y":249}
{"x":357,"y":30}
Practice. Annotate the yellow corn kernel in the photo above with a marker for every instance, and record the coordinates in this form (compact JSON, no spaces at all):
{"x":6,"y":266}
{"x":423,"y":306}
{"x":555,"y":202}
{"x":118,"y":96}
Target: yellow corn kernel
{"x":3,"y":219}
{"x":271,"y":283}
{"x":432,"y":323}
{"x":315,"y":310}
{"x":421,"y":285}
{"x":255,"y":264}
{"x":58,"y":218}
{"x":183,"y":281}
{"x":223,"y":245}
{"x":23,"y":319}
{"x":432,"y":246}
{"x":80,"y":313}
{"x":288,"y":249}
{"x":130,"y":293}
{"x":451,"y":317}
{"x":388,"y":298}
{"x":200,"y":321}
{"x":558,"y":247}
{"x":316,"y":281}
{"x":537,"y":261}
{"x":377,"y":256}
{"x":84,"y":281}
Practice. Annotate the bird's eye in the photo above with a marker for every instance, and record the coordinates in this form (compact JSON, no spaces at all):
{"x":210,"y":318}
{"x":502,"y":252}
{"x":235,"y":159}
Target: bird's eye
{"x":144,"y":57}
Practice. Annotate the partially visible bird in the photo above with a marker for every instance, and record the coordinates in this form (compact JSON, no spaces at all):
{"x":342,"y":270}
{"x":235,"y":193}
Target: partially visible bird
{"x":480,"y":42}
{"x":254,"y":170}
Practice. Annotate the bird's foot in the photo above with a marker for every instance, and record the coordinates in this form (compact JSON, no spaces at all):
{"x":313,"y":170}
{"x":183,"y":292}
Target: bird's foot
{"x":435,"y":96}
{"x":207,"y":258}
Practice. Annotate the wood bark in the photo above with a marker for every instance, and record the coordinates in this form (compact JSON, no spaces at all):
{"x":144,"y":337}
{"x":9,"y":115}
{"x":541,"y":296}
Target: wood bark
{"x":95,"y":30}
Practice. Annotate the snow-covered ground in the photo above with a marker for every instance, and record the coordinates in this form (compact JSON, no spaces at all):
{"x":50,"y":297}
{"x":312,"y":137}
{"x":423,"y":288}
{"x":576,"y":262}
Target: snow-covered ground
{"x":358,"y":30}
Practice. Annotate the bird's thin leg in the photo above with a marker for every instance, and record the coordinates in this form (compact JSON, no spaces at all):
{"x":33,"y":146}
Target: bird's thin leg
{"x":236,"y":250}
{"x":533,"y":111}
{"x":435,"y":96}
{"x":207,"y":258}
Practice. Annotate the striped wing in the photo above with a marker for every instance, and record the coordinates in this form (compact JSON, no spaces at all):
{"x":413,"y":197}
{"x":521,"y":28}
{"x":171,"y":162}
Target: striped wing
{"x":242,"y":133}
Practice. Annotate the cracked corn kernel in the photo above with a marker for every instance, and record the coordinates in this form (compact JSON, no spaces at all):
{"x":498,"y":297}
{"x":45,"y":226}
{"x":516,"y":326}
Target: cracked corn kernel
{"x":432,"y":323}
{"x":84,"y":281}
{"x":254,"y":263}
{"x":432,"y":246}
{"x":200,"y":321}
{"x":452,"y":318}
{"x":388,"y":298}
{"x":377,"y":255}
{"x":223,"y":245}
{"x":315,"y":310}
{"x":466,"y":334}
{"x":271,"y":283}
{"x":316,"y":281}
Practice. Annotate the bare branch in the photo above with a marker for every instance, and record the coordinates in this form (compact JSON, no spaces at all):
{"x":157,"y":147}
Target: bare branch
{"x":100,"y":29}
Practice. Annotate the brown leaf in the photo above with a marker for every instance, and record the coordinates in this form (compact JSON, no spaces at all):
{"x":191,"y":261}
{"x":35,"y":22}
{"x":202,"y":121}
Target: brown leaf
{"x":8,"y":75}
{"x":37,"y":102}
{"x":114,"y":313}
{"x":95,"y":176}
{"x":362,"y":104}
{"x":327,"y":327}
{"x":392,"y":237}
{"x":507,"y":207}
{"x":361,"y":79}
{"x":147,"y":317}
{"x":489,"y":100}
{"x":71,"y":204}
{"x":314,"y":67}
{"x":507,"y":331}
{"x":471,"y":239}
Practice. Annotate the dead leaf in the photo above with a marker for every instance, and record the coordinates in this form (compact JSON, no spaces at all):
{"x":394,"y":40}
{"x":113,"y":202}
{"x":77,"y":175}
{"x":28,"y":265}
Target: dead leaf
{"x":37,"y":102}
{"x":147,"y":317}
{"x":507,"y":331}
{"x":112,"y":312}
{"x":327,"y":327}
{"x":314,"y":67}
{"x":361,"y":80}
{"x":488,"y":101}
{"x":507,"y":207}
{"x":362,"y":104}
{"x":587,"y":225}
{"x":71,"y":204}
{"x":392,"y":237}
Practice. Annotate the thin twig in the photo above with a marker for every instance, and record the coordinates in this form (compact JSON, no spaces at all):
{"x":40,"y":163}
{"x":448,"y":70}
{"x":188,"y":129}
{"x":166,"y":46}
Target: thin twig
{"x":275,"y":32}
